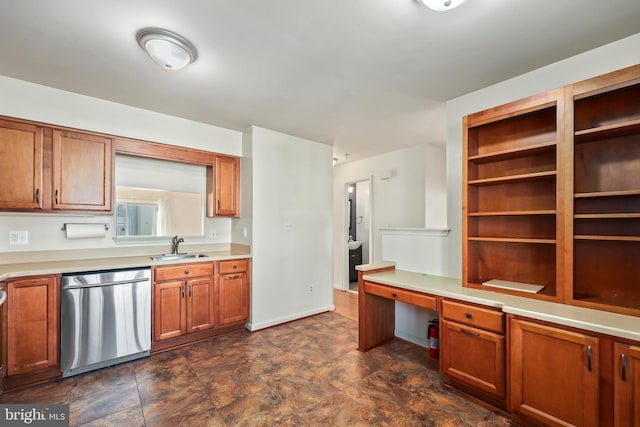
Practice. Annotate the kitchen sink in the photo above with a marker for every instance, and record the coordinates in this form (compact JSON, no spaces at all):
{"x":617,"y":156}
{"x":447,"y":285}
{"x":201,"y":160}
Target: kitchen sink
{"x":170,"y":257}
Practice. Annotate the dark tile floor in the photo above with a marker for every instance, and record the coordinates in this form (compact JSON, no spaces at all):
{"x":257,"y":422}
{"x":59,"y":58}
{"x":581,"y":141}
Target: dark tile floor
{"x":302,"y":373}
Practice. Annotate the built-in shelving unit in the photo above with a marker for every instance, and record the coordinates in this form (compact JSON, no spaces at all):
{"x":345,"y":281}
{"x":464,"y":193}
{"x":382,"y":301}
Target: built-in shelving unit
{"x":606,"y":192}
{"x":511,"y":179}
{"x":552,"y":194}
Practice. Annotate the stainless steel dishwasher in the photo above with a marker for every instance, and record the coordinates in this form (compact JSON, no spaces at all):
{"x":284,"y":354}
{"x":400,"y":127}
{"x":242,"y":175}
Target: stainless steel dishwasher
{"x":106,"y":319}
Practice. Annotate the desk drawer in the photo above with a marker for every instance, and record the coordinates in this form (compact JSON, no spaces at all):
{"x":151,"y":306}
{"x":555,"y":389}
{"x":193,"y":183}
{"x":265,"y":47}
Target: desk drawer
{"x":233,"y":266}
{"x":183,"y":271}
{"x":484,"y":318}
{"x":409,"y":297}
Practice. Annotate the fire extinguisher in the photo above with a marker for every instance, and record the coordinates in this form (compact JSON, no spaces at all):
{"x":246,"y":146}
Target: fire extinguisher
{"x":434,"y":338}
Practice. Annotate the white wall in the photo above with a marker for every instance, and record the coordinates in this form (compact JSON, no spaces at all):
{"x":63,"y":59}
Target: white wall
{"x":401,"y":201}
{"x":40,"y":103}
{"x":292,"y":227}
{"x":611,"y":57}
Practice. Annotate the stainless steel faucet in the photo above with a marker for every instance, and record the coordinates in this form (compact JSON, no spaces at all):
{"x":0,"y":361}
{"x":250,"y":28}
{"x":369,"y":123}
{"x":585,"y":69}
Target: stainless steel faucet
{"x":174,"y":245}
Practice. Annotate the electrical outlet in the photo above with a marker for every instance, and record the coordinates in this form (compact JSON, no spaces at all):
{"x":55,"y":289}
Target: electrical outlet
{"x":310,"y":289}
{"x":18,"y":237}
{"x":288,"y":226}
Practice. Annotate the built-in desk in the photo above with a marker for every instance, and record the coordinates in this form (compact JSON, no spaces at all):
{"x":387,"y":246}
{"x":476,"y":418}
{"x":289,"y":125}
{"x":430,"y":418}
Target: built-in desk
{"x":380,"y":281}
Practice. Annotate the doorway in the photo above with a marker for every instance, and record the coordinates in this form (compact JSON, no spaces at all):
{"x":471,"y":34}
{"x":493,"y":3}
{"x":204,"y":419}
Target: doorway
{"x":358,"y":232}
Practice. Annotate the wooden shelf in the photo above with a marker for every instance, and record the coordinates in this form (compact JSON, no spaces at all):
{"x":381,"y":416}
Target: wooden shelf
{"x":608,"y":238}
{"x":513,"y":153}
{"x":512,"y":213}
{"x":511,"y":240}
{"x":513,"y":178}
{"x":607,"y":215}
{"x":609,"y":131}
{"x":623,"y":193}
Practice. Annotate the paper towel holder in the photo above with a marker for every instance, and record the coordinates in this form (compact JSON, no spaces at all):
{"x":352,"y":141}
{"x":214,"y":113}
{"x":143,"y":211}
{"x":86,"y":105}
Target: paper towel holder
{"x":64,"y":226}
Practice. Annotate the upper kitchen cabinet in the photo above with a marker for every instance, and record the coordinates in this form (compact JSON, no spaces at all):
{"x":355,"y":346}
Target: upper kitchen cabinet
{"x":223,"y":187}
{"x":513,"y":175}
{"x":605,"y":199}
{"x":21,"y":165}
{"x":49,"y":169}
{"x":82,"y":165}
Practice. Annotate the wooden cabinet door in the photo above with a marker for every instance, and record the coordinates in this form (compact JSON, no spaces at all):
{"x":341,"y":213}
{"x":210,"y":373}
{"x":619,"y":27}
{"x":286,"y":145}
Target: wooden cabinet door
{"x":169,"y":310}
{"x":21,"y":153}
{"x":200,"y":304}
{"x":227,"y":186}
{"x":474,"y":356}
{"x":554,"y":375}
{"x":82,"y":166}
{"x":233,"y":298}
{"x":33,"y":328}
{"x":626,"y":385}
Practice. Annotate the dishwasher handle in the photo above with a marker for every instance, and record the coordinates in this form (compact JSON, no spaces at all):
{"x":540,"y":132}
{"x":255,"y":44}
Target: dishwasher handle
{"x":99,"y":285}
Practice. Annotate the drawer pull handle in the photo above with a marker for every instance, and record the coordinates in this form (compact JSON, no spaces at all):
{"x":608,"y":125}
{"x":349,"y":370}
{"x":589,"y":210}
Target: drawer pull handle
{"x":624,"y":367}
{"x":186,"y":272}
{"x":182,"y":290}
{"x":590,"y":357}
{"x":37,"y":195}
{"x":473,"y":334}
{"x":233,"y":277}
{"x":468,"y":315}
{"x":56,"y":197}
{"x":235,"y":266}
{"x":393,"y":294}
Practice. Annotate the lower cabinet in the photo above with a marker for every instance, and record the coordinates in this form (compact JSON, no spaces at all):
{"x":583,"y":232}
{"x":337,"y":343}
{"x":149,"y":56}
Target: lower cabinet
{"x":554,"y":375}
{"x":473,"y":350}
{"x":234,"y":292}
{"x":33,"y":329}
{"x":195,"y":301}
{"x":183,"y":300}
{"x":626,"y":382}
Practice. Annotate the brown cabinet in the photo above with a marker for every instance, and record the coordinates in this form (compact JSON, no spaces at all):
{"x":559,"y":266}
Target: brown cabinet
{"x":223,"y":182}
{"x":234,"y":293}
{"x":473,"y":349}
{"x":513,"y":174}
{"x":183,"y":300}
{"x":626,"y":380}
{"x":49,"y":169}
{"x":33,"y":324}
{"x":554,"y":375}
{"x":552,"y":195}
{"x":81,"y":171}
{"x":20,"y":144}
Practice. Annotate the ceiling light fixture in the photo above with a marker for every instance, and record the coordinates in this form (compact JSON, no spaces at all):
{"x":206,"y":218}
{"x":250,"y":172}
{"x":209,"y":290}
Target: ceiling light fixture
{"x":441,"y":5}
{"x":169,"y":50}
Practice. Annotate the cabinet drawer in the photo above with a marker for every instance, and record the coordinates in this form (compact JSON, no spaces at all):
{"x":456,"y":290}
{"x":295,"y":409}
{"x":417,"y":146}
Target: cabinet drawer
{"x":410,"y":297}
{"x":484,"y":318}
{"x":233,"y":266}
{"x":183,"y":271}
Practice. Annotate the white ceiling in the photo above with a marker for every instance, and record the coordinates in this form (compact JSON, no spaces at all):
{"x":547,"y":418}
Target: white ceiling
{"x":366,"y":76}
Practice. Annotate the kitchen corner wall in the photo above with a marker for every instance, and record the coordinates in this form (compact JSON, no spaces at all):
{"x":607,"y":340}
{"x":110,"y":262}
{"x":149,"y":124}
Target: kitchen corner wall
{"x":611,"y":57}
{"x":291,"y":227}
{"x":30,"y":101}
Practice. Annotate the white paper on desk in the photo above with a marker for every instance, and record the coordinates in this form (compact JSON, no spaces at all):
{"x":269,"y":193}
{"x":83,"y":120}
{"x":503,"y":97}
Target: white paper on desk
{"x":84,"y":231}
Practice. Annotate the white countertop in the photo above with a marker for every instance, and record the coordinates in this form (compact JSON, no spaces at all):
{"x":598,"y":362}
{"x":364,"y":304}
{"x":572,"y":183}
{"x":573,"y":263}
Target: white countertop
{"x":38,"y":267}
{"x":617,"y":325}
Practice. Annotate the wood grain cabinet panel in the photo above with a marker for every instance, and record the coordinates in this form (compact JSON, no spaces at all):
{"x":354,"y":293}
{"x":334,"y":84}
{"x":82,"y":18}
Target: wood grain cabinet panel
{"x":554,"y":375}
{"x":626,"y":385}
{"x":200,"y":304}
{"x":33,"y":324}
{"x":234,"y":298}
{"x":82,"y":168}
{"x":223,"y":187}
{"x":21,"y":145}
{"x":169,"y":310}
{"x":402,"y":295}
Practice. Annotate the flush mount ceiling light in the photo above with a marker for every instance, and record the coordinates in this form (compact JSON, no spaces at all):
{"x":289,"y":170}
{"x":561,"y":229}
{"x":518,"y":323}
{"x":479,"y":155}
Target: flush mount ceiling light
{"x":441,"y":5}
{"x":167,"y":49}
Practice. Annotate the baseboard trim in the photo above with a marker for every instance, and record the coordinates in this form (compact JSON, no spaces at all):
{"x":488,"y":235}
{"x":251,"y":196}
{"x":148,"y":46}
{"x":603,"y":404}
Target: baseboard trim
{"x":252,"y":326}
{"x":412,"y":339}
